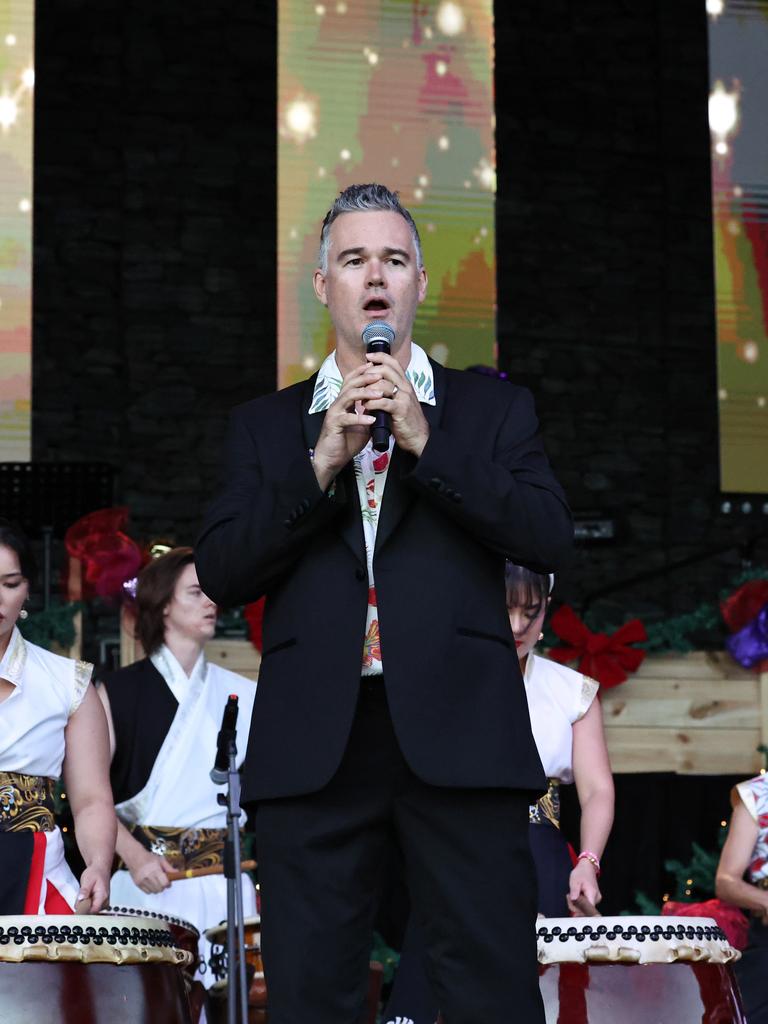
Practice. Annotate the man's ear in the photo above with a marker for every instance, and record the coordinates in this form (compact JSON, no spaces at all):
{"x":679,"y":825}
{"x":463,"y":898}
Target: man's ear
{"x":318,"y":283}
{"x":423,"y":282}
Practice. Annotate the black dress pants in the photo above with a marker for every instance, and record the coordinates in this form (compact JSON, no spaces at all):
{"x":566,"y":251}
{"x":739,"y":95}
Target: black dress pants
{"x":411,"y":998}
{"x":469,"y":872}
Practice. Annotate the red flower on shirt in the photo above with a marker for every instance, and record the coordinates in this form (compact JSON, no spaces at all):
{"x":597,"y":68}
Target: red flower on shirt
{"x":372,"y":645}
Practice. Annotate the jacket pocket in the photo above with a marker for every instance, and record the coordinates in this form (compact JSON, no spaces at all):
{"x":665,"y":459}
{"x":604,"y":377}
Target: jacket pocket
{"x":282,"y":646}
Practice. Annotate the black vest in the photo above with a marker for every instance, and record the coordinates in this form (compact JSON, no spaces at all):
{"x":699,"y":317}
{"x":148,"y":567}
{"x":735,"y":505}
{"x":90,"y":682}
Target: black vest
{"x":143,"y":708}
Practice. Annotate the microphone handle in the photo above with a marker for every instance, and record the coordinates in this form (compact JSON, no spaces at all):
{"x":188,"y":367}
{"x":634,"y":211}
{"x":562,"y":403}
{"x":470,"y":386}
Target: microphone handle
{"x":382,"y":428}
{"x":380,"y":431}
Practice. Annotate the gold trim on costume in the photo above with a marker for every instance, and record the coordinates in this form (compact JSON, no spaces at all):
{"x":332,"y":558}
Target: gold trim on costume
{"x":83,"y":673}
{"x":26,"y":803}
{"x":546,"y":810}
{"x":183,"y":848}
{"x":589,"y":688}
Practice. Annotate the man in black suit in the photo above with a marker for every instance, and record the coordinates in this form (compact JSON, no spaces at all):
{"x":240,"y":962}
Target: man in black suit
{"x":390,"y":703}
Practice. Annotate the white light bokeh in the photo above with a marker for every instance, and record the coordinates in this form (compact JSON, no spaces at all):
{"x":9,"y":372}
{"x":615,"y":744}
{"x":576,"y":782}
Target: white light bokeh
{"x":450,"y":18}
{"x":9,"y":111}
{"x":486,"y":175}
{"x":750,"y":352}
{"x":25,"y":205}
{"x":723,"y":110}
{"x":28,"y":78}
{"x":301,"y":120}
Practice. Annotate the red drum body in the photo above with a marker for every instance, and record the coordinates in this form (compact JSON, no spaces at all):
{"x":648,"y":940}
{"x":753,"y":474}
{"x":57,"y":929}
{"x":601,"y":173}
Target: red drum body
{"x":637,"y":970}
{"x":87,"y":969}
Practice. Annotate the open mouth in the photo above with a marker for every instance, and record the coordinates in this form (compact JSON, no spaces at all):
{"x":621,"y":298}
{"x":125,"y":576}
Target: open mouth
{"x":374,"y":306}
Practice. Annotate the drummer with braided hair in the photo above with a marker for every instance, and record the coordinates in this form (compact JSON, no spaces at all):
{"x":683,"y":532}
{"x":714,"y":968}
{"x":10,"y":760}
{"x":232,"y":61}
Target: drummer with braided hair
{"x":51,"y":724}
{"x":164,"y":713}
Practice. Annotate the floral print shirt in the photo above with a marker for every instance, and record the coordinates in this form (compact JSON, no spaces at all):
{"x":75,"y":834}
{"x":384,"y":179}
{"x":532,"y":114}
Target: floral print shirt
{"x":754,"y":795}
{"x":371,"y":476}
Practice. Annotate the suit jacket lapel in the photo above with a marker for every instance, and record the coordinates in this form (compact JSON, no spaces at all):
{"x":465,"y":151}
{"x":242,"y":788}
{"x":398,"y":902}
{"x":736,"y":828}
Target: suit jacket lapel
{"x":351,"y":519}
{"x":397,"y":494}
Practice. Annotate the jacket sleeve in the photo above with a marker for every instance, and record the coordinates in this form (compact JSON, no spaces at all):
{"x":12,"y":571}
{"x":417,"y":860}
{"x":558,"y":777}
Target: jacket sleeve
{"x":511,"y":502}
{"x":256,"y":527}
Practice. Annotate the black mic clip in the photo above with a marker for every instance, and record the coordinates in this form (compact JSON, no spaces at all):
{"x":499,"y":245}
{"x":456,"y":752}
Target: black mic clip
{"x":225,"y":740}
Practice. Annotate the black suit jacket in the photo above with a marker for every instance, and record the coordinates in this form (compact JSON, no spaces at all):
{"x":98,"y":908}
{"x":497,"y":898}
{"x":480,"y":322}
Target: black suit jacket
{"x":482,"y":491}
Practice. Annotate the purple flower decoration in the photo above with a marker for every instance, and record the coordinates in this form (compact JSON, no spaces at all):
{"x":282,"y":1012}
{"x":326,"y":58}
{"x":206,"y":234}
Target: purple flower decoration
{"x":750,"y":645}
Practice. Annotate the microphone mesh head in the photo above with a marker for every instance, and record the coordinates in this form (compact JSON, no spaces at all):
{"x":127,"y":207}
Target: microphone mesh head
{"x":378,"y":330}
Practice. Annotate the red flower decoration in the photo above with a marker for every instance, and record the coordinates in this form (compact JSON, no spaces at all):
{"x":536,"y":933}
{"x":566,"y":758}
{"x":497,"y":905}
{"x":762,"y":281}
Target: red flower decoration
{"x":607,"y":659}
{"x":744,"y":604}
{"x":730,"y":919}
{"x":254,"y":615}
{"x":108,"y":555}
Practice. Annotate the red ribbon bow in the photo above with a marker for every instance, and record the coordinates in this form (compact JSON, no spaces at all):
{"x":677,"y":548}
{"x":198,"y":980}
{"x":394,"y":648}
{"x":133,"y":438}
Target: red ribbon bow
{"x":744,"y":604}
{"x":607,"y":659}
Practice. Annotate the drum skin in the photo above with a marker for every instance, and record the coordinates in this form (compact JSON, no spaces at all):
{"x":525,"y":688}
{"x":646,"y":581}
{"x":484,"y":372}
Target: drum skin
{"x":185,"y":935}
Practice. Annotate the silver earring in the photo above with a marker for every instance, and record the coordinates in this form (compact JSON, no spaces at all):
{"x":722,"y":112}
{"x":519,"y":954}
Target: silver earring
{"x":541,"y":636}
{"x":23,"y":614}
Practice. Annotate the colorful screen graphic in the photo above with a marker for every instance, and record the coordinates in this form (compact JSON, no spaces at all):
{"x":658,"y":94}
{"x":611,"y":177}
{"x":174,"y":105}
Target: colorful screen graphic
{"x":400,"y":92}
{"x":738,"y":39}
{"x":17,"y":21}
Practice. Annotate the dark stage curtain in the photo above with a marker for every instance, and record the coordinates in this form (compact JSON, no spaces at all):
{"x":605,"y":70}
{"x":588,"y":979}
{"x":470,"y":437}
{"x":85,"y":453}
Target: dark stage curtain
{"x":658,"y":816}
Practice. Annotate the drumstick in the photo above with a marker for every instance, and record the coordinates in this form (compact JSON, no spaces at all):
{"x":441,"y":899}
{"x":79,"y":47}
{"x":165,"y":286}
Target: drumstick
{"x":582,"y":907}
{"x":218,"y":869}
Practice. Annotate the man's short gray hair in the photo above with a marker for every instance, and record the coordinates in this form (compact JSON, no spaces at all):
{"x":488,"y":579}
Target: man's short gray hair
{"x":357,"y":198}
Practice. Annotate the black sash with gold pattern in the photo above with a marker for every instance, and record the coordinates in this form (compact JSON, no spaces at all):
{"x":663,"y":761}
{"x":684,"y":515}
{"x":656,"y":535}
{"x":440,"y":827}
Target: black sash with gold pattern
{"x":26,"y":803}
{"x":184,"y":848}
{"x":546,"y":810}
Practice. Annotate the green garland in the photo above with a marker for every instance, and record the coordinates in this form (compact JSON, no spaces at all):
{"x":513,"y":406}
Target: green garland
{"x":676,"y":634}
{"x":387,"y":957}
{"x":694,"y":881}
{"x":56,"y":626}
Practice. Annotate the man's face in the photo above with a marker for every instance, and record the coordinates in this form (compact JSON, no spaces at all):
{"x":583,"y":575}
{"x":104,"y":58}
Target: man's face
{"x":372,"y":275}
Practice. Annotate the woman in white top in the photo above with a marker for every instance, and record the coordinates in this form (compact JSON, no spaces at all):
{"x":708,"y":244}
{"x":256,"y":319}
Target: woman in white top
{"x":51,"y":723}
{"x":567,"y":725}
{"x":164,"y":714}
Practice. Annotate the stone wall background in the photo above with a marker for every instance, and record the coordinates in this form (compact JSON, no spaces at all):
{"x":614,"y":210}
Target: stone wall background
{"x":154,"y":304}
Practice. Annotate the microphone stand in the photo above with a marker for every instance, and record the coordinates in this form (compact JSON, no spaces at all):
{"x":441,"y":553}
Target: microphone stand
{"x":237,"y":991}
